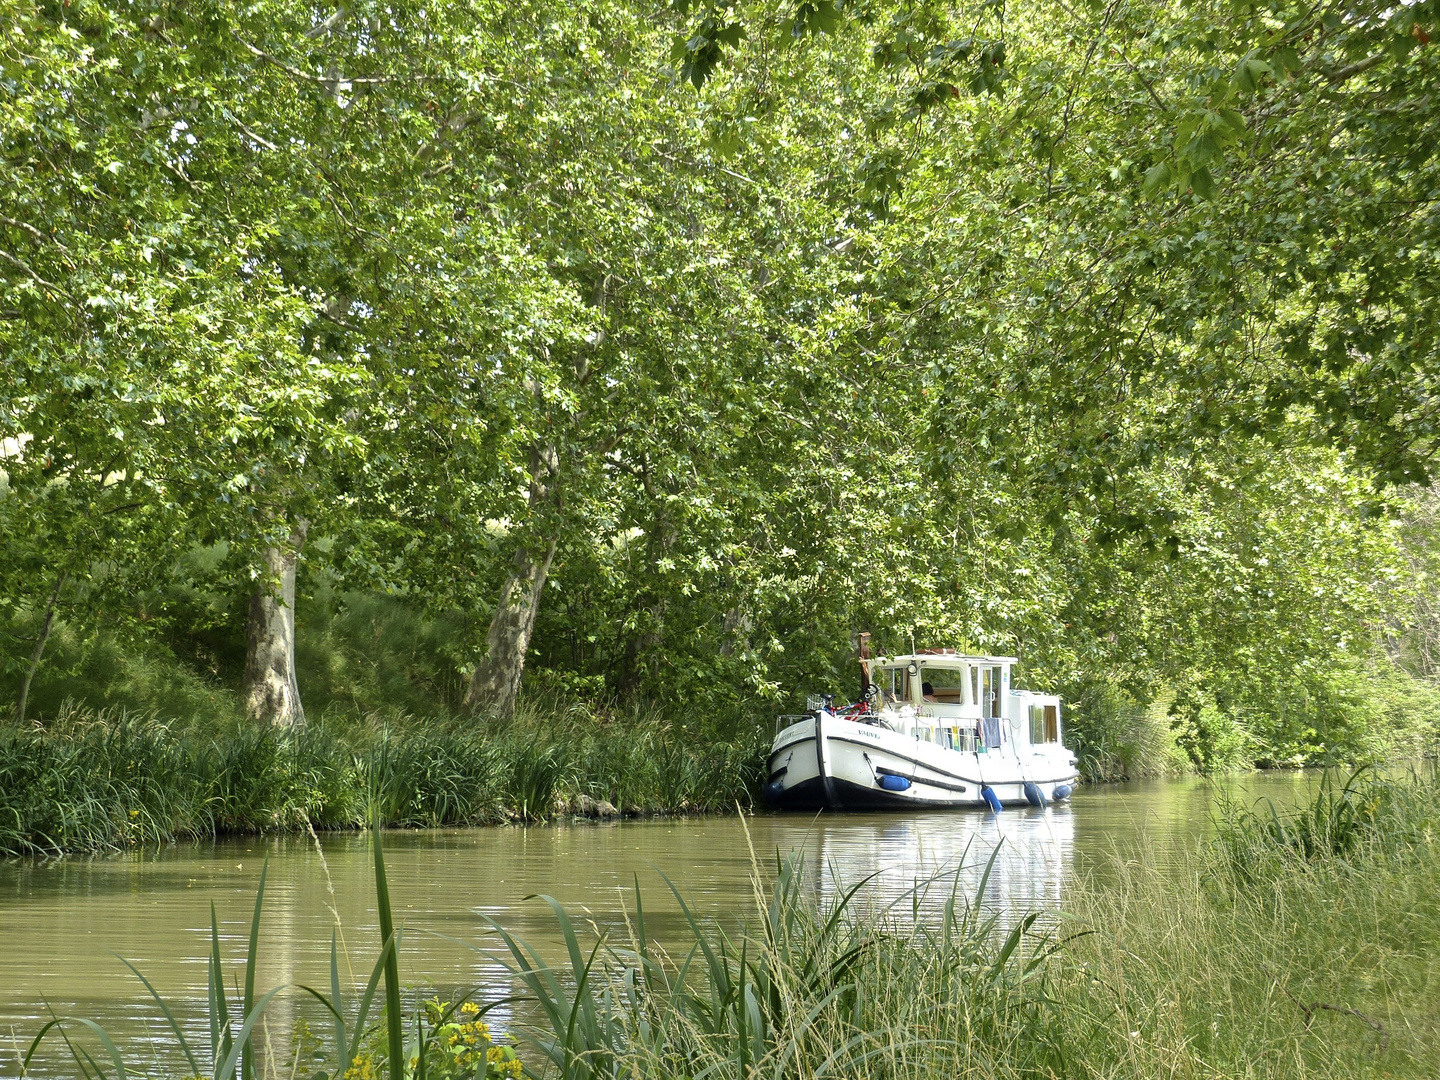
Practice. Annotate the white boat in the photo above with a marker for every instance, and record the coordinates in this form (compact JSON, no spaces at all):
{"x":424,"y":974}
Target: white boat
{"x":933,"y":728}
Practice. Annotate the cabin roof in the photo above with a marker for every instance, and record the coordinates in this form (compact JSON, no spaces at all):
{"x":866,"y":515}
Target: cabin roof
{"x":939,"y":659}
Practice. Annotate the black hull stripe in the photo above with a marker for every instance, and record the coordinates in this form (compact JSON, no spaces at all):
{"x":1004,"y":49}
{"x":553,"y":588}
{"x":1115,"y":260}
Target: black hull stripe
{"x":844,"y":795}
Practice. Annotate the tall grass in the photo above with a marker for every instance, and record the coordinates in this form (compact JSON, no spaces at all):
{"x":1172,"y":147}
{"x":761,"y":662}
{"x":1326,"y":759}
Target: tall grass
{"x":1341,"y":819}
{"x":103,"y":780}
{"x":807,"y":989}
{"x":1298,"y":943}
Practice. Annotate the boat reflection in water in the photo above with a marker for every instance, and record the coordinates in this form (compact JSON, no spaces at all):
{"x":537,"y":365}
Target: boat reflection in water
{"x":917,"y":860}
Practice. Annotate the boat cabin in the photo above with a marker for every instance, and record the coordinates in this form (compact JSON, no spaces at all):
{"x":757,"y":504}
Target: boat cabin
{"x":962,"y":702}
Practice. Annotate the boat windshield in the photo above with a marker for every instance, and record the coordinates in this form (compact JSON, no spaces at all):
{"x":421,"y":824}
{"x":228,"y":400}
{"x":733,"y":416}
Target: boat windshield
{"x":943,"y":685}
{"x":894,"y":685}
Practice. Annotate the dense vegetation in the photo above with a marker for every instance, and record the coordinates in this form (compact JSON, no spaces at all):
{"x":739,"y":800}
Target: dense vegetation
{"x":361,"y":359}
{"x":1255,"y":953}
{"x":86,"y":782}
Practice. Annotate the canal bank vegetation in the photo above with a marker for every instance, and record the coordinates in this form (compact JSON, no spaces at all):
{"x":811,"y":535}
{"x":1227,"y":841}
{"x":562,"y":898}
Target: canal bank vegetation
{"x":94,"y":781}
{"x":1294,"y":943}
{"x":1299,"y":942}
{"x":515,"y":351}
{"x":131,"y":741}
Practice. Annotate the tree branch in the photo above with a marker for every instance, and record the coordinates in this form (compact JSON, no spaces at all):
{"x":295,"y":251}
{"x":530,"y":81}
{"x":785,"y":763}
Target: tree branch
{"x":1349,"y":71}
{"x":33,"y":231}
{"x":321,"y":80}
{"x":48,"y":284}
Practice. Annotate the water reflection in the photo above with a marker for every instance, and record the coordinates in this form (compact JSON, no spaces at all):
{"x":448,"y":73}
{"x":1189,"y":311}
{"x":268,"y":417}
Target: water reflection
{"x":1022,"y":857}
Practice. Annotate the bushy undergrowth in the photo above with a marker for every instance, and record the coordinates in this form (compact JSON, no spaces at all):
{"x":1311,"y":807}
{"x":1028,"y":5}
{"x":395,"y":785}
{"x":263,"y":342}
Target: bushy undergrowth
{"x":1374,"y":711}
{"x":1117,"y":737}
{"x":91,"y":780}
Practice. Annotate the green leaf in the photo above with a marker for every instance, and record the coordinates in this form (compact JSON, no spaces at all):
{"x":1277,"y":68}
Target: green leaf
{"x":815,"y":17}
{"x":1202,"y":183}
{"x":1158,"y":178}
{"x":1249,"y":73}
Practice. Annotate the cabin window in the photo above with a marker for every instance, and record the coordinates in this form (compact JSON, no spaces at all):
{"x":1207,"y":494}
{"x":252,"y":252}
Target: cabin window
{"x":1044,"y":724}
{"x":946,"y":685}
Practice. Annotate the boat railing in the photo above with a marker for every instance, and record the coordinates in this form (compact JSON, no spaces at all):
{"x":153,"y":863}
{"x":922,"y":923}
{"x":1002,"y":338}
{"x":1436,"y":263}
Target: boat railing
{"x":783,"y":722}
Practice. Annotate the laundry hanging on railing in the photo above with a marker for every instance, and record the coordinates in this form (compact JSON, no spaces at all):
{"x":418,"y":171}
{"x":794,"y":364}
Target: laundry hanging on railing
{"x":990,"y":729}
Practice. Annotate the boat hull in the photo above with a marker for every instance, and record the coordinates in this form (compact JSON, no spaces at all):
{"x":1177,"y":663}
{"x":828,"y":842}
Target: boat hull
{"x":826,"y":762}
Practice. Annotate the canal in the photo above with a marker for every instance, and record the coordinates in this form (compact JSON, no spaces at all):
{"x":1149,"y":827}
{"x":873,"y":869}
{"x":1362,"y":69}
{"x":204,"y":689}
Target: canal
{"x":65,"y":923}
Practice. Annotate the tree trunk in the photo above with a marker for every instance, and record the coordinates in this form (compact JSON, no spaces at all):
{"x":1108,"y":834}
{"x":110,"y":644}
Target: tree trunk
{"x":496,"y":682}
{"x":35,"y":656}
{"x":269,"y":689}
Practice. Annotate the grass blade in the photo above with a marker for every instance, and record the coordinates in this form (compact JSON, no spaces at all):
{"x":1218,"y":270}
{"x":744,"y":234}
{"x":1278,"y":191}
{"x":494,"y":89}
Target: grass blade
{"x":219,"y":1007}
{"x":227,"y":1067}
{"x":105,"y":1041}
{"x":247,"y":1061}
{"x":169,"y":1018}
{"x":393,"y":1021}
{"x":342,"y":1045}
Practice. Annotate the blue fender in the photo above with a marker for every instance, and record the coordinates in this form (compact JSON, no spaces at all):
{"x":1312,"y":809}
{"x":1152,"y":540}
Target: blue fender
{"x":1061,"y":792}
{"x":1033,"y":795}
{"x":772,"y":791}
{"x":891,"y":782}
{"x":991,"y":799}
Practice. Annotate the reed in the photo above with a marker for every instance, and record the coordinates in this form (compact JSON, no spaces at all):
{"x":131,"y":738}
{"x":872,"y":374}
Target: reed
{"x":100,"y":780}
{"x":1344,"y":818}
{"x":808,"y":989}
{"x":1298,"y":943}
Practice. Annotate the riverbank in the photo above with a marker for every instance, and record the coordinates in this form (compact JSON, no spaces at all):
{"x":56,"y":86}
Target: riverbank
{"x":1300,"y":943}
{"x":94,"y":780}
{"x":109,"y":779}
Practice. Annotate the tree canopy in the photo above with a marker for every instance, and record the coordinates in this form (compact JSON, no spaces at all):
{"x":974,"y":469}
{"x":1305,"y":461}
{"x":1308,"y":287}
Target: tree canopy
{"x":673,"y":348}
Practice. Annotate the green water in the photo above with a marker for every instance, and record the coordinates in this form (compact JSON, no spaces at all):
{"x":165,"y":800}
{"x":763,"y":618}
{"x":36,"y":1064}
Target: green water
{"x":63,"y":922}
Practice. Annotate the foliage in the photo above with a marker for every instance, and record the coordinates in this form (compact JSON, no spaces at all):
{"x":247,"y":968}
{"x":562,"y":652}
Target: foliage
{"x":1117,"y":738}
{"x":461,"y":1042}
{"x":1342,"y":821}
{"x":1100,"y":334}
